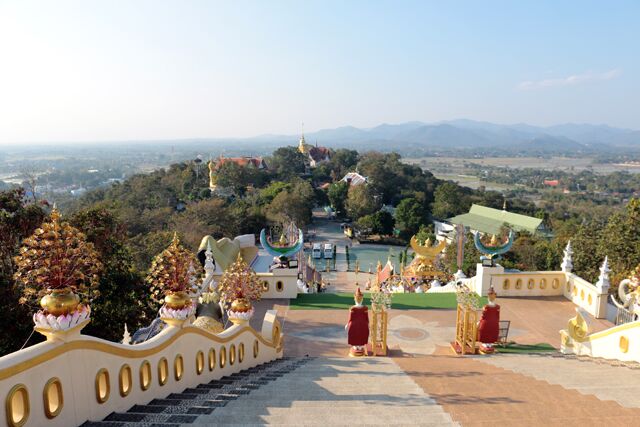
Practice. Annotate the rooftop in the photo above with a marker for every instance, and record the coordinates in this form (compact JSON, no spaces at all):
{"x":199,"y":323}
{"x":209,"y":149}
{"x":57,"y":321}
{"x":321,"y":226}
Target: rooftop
{"x":489,"y":220}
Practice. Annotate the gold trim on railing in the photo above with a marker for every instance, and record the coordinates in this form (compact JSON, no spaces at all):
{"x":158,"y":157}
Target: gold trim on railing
{"x":145,"y":375}
{"x":53,"y":404}
{"x":125,"y":374}
{"x":199,"y":362}
{"x":17,"y":416}
{"x":232,"y":354}
{"x":178,"y":367}
{"x":163,"y":371}
{"x":223,"y":357}
{"x":130,"y":352}
{"x":212,"y":359}
{"x":613,"y":330}
{"x":103,"y":390}
{"x":240,"y":352}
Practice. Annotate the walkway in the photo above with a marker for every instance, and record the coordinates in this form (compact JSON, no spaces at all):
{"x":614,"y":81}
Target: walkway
{"x":476,"y":393}
{"x":336,"y":391}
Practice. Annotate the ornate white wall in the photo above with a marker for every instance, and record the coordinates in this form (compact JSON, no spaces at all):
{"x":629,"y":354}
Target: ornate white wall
{"x":73,"y":366}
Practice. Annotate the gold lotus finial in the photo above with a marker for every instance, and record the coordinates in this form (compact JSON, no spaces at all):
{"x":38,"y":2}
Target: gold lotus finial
{"x":427,"y":243}
{"x":494,"y":240}
{"x":55,"y":214}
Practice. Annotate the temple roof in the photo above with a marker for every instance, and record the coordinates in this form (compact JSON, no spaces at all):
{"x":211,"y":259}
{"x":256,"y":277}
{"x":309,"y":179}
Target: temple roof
{"x":256,"y":162}
{"x":354,"y":178}
{"x":319,"y":153}
{"x":489,"y":220}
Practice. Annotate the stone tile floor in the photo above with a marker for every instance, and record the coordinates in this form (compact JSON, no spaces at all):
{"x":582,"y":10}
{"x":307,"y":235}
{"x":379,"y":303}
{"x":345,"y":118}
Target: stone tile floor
{"x":518,"y":390}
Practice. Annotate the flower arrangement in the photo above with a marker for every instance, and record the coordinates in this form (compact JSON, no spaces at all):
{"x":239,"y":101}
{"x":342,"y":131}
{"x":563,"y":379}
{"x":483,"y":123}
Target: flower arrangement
{"x":380,"y":299}
{"x":173,"y":276}
{"x":467,"y":298}
{"x":238,"y":286}
{"x":59,"y":268}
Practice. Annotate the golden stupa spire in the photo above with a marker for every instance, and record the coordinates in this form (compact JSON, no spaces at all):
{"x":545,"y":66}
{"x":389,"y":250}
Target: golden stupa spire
{"x":302,"y":145}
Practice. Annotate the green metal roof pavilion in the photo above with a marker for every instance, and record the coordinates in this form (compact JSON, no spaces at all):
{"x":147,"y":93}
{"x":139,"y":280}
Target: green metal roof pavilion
{"x":489,"y":220}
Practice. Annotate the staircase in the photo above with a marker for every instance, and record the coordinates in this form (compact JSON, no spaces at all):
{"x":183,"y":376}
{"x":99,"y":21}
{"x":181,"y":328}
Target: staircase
{"x":295,"y":391}
{"x":185,"y":408}
{"x":604,"y":379}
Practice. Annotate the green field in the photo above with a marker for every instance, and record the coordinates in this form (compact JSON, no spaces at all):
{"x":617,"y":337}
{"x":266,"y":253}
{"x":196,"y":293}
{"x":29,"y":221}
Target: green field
{"x":343,"y":301}
{"x":524,"y":348}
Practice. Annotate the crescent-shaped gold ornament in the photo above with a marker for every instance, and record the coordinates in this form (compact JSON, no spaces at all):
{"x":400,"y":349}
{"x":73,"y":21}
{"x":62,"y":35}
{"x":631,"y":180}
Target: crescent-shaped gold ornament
{"x":427,"y":251}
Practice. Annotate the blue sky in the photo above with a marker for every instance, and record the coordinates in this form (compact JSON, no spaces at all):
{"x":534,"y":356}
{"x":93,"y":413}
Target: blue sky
{"x":107,"y":70}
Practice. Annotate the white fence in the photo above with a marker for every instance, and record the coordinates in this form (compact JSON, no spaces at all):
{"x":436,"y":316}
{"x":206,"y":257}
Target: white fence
{"x":72,"y":378}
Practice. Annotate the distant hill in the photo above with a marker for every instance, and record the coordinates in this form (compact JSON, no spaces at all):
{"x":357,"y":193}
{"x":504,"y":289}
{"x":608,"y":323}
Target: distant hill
{"x":463,"y":133}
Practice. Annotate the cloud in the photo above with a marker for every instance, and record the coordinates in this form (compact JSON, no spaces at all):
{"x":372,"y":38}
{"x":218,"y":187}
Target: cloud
{"x":572,"y":80}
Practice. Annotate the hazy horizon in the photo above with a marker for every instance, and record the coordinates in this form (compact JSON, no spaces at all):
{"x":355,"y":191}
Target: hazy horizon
{"x":293,"y":135}
{"x":100,"y":72}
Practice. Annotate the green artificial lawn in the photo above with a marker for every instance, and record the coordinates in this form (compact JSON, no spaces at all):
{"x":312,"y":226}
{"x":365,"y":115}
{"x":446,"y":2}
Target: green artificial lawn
{"x":342,"y":301}
{"x":525,"y":348}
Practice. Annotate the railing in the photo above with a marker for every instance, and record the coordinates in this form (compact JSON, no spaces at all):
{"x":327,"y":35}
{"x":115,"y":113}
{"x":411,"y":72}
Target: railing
{"x":279,"y":283}
{"x":542,"y":283}
{"x":586,"y":295}
{"x":624,"y":316}
{"x":620,"y":342}
{"x":529,"y":283}
{"x":72,"y":378}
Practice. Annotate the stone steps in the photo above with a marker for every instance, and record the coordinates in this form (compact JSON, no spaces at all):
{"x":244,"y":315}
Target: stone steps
{"x":590,"y":377}
{"x":185,"y":407}
{"x":480,"y":392}
{"x":336,"y":391}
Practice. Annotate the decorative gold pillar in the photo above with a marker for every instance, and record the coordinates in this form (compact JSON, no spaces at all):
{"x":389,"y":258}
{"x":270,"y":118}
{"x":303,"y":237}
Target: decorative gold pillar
{"x":378,"y":332}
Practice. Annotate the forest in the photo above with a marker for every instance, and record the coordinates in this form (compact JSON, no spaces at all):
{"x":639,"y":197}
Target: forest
{"x":130,"y":222}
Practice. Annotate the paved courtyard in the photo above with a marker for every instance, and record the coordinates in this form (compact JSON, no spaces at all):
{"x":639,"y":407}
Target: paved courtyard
{"x":503,"y":389}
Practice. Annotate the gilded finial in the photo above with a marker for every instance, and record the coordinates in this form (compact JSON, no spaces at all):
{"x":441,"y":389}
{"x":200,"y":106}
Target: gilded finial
{"x":494,"y":240}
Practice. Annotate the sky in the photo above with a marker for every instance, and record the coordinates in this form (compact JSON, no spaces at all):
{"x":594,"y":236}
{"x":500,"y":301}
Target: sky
{"x":139,"y":70}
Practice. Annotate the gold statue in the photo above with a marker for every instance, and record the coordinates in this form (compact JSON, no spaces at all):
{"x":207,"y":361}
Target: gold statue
{"x":213,"y":179}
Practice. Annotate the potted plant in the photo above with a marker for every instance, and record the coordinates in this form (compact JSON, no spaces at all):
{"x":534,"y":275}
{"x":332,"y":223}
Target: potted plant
{"x":59,"y":268}
{"x":173,"y":277}
{"x":239,"y":286}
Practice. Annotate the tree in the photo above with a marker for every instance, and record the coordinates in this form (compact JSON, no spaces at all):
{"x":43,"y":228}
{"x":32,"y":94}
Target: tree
{"x":449,"y":200}
{"x":471,"y":257}
{"x":233,"y":176}
{"x":18,"y":219}
{"x":425,"y":232}
{"x":409,"y":216}
{"x":287,"y":162}
{"x":269,"y":193}
{"x":361,"y":201}
{"x":124,"y":298}
{"x":586,"y":250}
{"x":294,"y":205}
{"x":621,"y":241}
{"x":381,"y":223}
{"x":337,"y":194}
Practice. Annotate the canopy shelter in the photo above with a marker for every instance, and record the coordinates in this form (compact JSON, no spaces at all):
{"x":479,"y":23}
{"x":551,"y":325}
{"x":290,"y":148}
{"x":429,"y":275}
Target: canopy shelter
{"x":490,"y":221}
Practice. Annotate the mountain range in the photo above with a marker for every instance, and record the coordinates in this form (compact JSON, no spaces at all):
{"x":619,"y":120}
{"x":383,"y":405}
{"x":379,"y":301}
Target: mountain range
{"x":474,"y":134}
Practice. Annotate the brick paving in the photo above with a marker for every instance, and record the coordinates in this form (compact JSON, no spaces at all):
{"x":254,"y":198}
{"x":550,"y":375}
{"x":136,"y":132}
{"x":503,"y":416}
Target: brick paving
{"x":476,"y":393}
{"x":519,"y":390}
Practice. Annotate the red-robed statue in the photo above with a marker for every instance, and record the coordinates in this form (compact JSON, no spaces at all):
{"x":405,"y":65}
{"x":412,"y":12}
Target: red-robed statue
{"x":358,"y":326}
{"x":489,"y":325}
